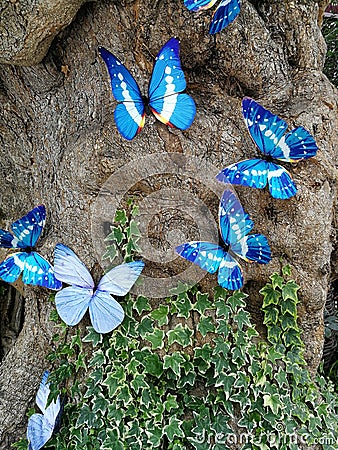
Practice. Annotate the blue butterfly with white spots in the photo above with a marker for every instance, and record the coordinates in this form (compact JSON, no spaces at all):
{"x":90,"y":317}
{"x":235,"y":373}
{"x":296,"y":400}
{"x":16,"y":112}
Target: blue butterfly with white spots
{"x":73,"y":301}
{"x":226,"y":12}
{"x":165,"y":98}
{"x":234,"y":225}
{"x":35,"y":269}
{"x":268,"y":132}
{"x":41,"y":426}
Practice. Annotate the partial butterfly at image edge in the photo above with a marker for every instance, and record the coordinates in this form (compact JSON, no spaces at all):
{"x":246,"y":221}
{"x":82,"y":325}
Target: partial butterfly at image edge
{"x":234,"y":225}
{"x":268,"y":133}
{"x":73,"y":301}
{"x":35,"y":269}
{"x":166,"y":100}
{"x":225,"y":13}
{"x":41,"y":427}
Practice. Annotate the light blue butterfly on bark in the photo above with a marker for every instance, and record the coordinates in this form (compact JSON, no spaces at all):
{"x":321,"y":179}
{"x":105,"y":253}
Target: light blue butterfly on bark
{"x":73,"y":301}
{"x":34,"y":268}
{"x":268,"y":132}
{"x":41,"y":426}
{"x":226,"y":12}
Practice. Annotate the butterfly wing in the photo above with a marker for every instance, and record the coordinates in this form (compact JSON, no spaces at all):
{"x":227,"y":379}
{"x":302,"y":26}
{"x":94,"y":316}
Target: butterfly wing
{"x":234,"y":223}
{"x":226,"y":13}
{"x":28,"y":229}
{"x":230,"y":274}
{"x":198,"y":5}
{"x":120,"y":279}
{"x":40,"y":426}
{"x":39,"y":431}
{"x":12,"y":266}
{"x":7,"y":240}
{"x":39,"y":272}
{"x":250,"y":172}
{"x":167,"y":81}
{"x":254,"y":247}
{"x":129,"y":114}
{"x":72,"y":303}
{"x":266,"y":129}
{"x":105,"y":312}
{"x":296,"y":145}
{"x":206,"y":255}
{"x":70,"y":269}
{"x":281,"y":185}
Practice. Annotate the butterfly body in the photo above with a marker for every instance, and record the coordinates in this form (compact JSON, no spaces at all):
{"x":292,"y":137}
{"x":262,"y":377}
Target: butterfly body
{"x":34,"y":268}
{"x":165,"y":98}
{"x":73,"y":301}
{"x":268,"y":132}
{"x":41,"y":426}
{"x":234,"y":224}
{"x":225,"y":13}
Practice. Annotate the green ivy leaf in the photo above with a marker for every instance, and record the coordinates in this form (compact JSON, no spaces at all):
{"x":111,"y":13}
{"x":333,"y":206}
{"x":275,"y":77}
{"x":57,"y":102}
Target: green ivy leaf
{"x":133,"y":229}
{"x":173,"y":362}
{"x":206,"y":325}
{"x":141,"y":304}
{"x":156,"y":338}
{"x":289,"y":291}
{"x":139,"y":382}
{"x":273,"y":402}
{"x":161,"y":315}
{"x":181,"y":335}
{"x":86,"y":417}
{"x":242,"y":318}
{"x":271,"y":315}
{"x":145,"y":326}
{"x":153,"y":365}
{"x":271,"y":297}
{"x":236,"y":301}
{"x":110,"y":253}
{"x":93,"y":337}
{"x":277,"y":281}
{"x":222,"y":309}
{"x":173,"y":429}
{"x":171,"y":402}
{"x":100,"y":403}
{"x":183,"y":305}
{"x":98,"y":359}
{"x":202,"y":302}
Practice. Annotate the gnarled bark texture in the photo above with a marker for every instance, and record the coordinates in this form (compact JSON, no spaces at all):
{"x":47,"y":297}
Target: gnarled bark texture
{"x":60,"y":145}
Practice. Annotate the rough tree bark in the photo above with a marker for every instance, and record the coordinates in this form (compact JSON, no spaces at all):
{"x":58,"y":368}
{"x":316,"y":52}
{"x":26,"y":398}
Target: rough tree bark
{"x":60,"y":146}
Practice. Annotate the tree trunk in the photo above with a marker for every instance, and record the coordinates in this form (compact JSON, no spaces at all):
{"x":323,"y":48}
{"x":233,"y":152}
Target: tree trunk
{"x":60,"y":147}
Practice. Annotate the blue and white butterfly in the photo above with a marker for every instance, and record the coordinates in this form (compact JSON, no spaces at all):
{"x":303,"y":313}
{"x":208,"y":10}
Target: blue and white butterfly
{"x":41,"y":426}
{"x":164,"y":99}
{"x":268,"y":132}
{"x":226,"y":12}
{"x":234,"y":226}
{"x":73,"y":301}
{"x":35,"y":269}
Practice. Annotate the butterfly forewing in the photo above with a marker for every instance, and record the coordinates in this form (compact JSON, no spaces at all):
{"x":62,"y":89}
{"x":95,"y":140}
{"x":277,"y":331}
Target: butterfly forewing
{"x":250,"y":172}
{"x":129,"y":114}
{"x":226,"y":12}
{"x":233,"y":221}
{"x":120,"y":279}
{"x":165,"y":87}
{"x":266,"y":129}
{"x":28,"y":229}
{"x":70,"y":269}
{"x":206,"y":255}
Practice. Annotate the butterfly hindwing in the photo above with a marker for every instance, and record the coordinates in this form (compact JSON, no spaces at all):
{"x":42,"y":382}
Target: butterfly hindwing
{"x":206,"y":255}
{"x":72,"y":303}
{"x":105,"y":312}
{"x":230,"y":274}
{"x":12,"y":266}
{"x":281,"y":185}
{"x":129,"y":114}
{"x":254,"y":247}
{"x":226,"y":12}
{"x":165,"y":87}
